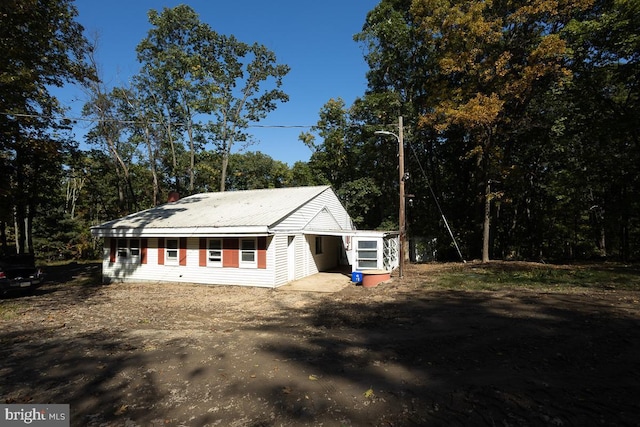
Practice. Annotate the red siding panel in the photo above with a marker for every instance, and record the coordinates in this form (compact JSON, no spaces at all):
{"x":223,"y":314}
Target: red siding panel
{"x":112,"y":250}
{"x":183,"y":251}
{"x":144,"y":244}
{"x":262,"y":252}
{"x":203,"y":253}
{"x":160,"y":251}
{"x":231,"y":253}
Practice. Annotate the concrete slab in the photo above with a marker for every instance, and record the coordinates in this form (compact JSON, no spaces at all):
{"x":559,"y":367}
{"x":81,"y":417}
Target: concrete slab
{"x":319,"y":282}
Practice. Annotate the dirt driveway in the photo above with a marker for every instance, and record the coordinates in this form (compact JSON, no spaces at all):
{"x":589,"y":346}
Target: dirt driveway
{"x":406,"y":353}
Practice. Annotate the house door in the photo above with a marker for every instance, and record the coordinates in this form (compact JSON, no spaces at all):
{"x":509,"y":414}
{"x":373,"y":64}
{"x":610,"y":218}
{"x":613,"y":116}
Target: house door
{"x":291,"y":258}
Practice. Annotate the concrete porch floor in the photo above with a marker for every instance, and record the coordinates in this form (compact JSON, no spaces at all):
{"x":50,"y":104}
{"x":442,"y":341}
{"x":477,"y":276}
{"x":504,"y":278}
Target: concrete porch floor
{"x":326,"y":281}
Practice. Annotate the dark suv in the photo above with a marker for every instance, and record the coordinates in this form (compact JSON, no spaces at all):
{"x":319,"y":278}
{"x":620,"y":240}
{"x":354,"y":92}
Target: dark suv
{"x":19,"y":273}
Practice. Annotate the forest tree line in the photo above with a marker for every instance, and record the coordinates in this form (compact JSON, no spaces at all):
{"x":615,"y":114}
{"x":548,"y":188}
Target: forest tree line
{"x":521,"y":123}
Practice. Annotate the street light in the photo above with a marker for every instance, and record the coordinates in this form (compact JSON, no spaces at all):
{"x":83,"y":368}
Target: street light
{"x":401,"y":213}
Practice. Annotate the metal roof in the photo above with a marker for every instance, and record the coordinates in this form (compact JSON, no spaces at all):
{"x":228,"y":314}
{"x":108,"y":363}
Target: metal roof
{"x":224,"y":210}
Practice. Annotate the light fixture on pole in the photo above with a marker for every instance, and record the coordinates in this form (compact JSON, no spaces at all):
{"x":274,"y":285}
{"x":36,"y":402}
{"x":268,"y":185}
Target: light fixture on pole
{"x":401,"y":214}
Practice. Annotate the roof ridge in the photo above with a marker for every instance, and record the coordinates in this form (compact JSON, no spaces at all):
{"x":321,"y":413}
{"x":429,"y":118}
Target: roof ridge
{"x":300,"y":187}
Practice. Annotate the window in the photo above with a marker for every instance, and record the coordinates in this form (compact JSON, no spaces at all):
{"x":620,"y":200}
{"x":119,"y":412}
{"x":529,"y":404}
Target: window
{"x":367,"y":254}
{"x":214,"y":253}
{"x":172,"y":251}
{"x":134,"y":248}
{"x":318,"y":245}
{"x":128,"y":250}
{"x":248,"y":253}
{"x":123,"y":249}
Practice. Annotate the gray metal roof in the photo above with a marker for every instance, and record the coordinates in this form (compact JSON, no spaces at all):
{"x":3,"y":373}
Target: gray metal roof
{"x":221,"y":210}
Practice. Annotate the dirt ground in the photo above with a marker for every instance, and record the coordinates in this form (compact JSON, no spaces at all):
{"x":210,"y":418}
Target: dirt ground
{"x":406,"y":353}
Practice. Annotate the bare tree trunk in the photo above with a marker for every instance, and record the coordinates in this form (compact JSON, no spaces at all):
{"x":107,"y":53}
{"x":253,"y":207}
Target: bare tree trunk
{"x":17,"y":225}
{"x":226,"y":150}
{"x":19,"y":212}
{"x":487,"y":222}
{"x":141,"y":112}
{"x":74,"y":186}
{"x":223,"y":170}
{"x":28,"y":226}
{"x":109,"y":129}
{"x":486,"y":225}
{"x":152,"y":163}
{"x":173,"y":156}
{"x":192,"y":158}
{"x":160,"y":108}
{"x":3,"y":238}
{"x":22,"y":222}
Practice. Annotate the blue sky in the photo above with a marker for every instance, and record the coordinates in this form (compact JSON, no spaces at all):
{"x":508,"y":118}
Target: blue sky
{"x":314,"y":38}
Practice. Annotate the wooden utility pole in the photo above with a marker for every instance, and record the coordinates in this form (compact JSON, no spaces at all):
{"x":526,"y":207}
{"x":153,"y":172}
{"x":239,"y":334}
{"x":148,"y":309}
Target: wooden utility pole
{"x":401,"y":212}
{"x":401,"y":175}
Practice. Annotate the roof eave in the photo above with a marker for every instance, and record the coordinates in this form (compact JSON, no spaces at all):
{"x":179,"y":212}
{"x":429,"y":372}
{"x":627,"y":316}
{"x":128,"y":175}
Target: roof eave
{"x":260,"y":230}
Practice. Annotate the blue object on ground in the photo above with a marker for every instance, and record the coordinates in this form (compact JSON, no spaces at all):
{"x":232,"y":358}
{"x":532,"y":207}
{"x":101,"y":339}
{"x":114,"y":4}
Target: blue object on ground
{"x":356,"y":277}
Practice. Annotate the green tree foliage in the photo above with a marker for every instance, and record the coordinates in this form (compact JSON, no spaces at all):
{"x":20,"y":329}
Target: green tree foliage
{"x":537,"y":98}
{"x":249,"y":90}
{"x":255,"y":170}
{"x":597,"y":130}
{"x":349,"y":159}
{"x":195,"y":72}
{"x":400,"y":62}
{"x":521,"y":117}
{"x":41,"y":46}
{"x":302,"y":175}
{"x":492,"y":59}
{"x":329,"y":158}
{"x":196,"y":89}
{"x":172,"y":58}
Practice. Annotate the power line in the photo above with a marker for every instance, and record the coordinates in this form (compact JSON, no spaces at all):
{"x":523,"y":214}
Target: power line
{"x":446,"y":223}
{"x":281,"y":126}
{"x":134,"y":122}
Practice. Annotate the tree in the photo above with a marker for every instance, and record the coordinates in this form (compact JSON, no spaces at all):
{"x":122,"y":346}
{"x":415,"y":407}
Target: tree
{"x":41,"y":46}
{"x":330,"y":156}
{"x":247,"y":93}
{"x":255,"y":170}
{"x":401,"y":62}
{"x":108,"y":111}
{"x":196,"y":73}
{"x":171,"y":57}
{"x":536,"y":98}
{"x":346,"y":151}
{"x":302,"y":175}
{"x":492,"y":58}
{"x":599,"y":125}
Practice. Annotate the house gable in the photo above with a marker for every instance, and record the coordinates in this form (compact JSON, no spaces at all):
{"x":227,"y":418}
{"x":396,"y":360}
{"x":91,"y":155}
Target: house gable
{"x":323,"y":220}
{"x":323,"y":212}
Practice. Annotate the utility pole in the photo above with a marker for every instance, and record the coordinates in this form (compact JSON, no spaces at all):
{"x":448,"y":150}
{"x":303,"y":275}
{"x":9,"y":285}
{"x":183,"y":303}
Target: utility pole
{"x":401,"y":174}
{"x":401,"y":213}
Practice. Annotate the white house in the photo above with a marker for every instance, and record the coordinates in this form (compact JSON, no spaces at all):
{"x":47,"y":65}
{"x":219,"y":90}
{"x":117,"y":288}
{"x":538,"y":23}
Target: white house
{"x":254,"y":238}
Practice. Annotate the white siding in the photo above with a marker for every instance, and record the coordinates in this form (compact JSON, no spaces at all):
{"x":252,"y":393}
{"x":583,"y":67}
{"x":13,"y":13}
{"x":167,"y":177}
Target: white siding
{"x":304,"y":216}
{"x":304,"y":259}
{"x":280,"y":243}
{"x":190,"y":273}
{"x":323,"y":220}
{"x":328,"y":259}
